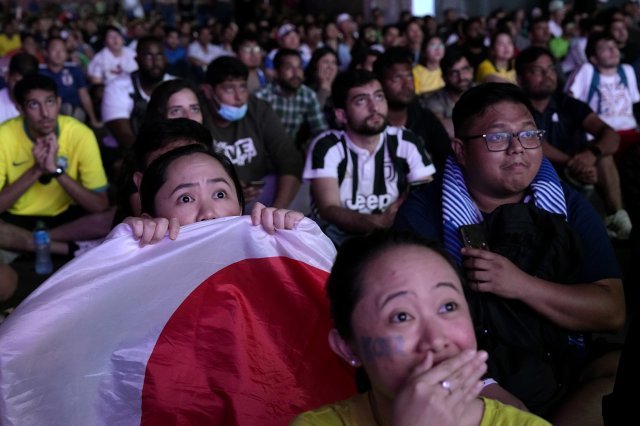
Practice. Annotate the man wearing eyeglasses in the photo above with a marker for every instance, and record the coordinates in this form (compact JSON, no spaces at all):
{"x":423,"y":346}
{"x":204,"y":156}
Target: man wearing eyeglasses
{"x":251,"y":54}
{"x":458,"y":78}
{"x":568,"y":121}
{"x":548,"y":274}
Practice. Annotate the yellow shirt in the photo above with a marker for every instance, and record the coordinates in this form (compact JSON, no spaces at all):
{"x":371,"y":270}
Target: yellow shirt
{"x":426,"y":80}
{"x":78,"y":150}
{"x":8,"y":45}
{"x":486,"y":68}
{"x":356,"y":411}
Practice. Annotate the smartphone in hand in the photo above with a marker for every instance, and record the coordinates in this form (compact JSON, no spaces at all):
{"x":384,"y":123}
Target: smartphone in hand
{"x":473,"y":236}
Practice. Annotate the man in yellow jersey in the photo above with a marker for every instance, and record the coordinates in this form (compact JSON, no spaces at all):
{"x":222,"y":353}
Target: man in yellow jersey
{"x":50,"y":169}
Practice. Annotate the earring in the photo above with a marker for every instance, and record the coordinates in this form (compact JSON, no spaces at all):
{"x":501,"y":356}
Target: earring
{"x":354,"y":362}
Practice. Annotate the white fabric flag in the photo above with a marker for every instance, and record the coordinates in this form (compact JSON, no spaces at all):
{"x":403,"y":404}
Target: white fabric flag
{"x":75,"y":352}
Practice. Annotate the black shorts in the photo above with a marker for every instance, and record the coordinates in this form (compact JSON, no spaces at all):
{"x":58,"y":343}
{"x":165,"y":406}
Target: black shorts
{"x":29,"y":222}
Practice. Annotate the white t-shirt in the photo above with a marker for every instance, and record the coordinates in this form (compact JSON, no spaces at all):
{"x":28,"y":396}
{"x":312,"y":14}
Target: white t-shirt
{"x":207,"y":55}
{"x":107,"y":67}
{"x":117,"y":102}
{"x":370,"y":181}
{"x":7,"y":107}
{"x":613,"y":101}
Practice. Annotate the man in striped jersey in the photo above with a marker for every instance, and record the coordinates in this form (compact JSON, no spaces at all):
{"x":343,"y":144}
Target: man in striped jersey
{"x":360,"y":176}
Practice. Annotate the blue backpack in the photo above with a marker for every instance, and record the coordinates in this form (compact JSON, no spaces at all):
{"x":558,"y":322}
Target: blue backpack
{"x":595,"y":82}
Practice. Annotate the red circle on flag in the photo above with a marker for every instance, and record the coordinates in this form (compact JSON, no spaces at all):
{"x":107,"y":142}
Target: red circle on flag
{"x":247,"y":346}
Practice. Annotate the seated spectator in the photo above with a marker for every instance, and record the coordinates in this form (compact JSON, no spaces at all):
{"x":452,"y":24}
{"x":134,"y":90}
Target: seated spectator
{"x":499,"y":66}
{"x":201,"y":52}
{"x":393,"y":69}
{"x":113,"y":60}
{"x":288,"y":38}
{"x":414,"y":39}
{"x":176,"y":55}
{"x":176,"y":98}
{"x":21,"y":64}
{"x":125,"y":98}
{"x":362,"y":58}
{"x":251,"y":135}
{"x":190,"y":184}
{"x":10,"y":41}
{"x":295,"y":103}
{"x":547,"y":274}
{"x":359,"y":177}
{"x":399,"y":310}
{"x":428,"y":75}
{"x":567,"y":122}
{"x":51,"y":169}
{"x":609,"y":87}
{"x":539,"y":34}
{"x":30,"y":45}
{"x":320,"y":73}
{"x":251,"y":54}
{"x":619,"y":31}
{"x":348,"y":34}
{"x":471,"y":42}
{"x":458,"y":78}
{"x":72,"y":84}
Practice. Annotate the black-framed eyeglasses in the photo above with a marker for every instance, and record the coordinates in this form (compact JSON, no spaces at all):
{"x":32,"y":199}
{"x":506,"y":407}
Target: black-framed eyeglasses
{"x":501,"y":141}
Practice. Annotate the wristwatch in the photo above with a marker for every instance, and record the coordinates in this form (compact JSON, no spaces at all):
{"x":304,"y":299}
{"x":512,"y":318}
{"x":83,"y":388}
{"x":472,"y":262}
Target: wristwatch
{"x":58,"y":172}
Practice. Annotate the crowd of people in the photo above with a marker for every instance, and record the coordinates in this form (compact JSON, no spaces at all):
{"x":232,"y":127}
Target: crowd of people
{"x":490,"y":137}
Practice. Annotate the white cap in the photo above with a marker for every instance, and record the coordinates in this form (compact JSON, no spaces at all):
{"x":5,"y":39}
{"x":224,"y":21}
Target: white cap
{"x":343,"y":17}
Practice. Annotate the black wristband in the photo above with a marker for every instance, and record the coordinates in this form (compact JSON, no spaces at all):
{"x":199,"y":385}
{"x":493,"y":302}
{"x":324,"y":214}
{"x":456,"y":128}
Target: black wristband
{"x":596,"y":151}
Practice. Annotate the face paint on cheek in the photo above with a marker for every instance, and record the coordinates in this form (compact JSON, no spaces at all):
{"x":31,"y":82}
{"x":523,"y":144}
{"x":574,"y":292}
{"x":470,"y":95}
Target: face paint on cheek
{"x":381,"y":347}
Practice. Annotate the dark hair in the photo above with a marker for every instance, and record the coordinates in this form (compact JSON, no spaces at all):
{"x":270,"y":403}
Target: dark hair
{"x":451,"y":57}
{"x":390,"y":57}
{"x":244,"y":37}
{"x":354,"y":256}
{"x":311,"y":72}
{"x":33,"y":82}
{"x":593,"y":40}
{"x":281,"y":54}
{"x":157,"y":106}
{"x":226,"y":68}
{"x":476,"y":100}
{"x":387,"y":27}
{"x":155,"y":175}
{"x":359,"y":55}
{"x":156,"y":134}
{"x":530,"y":55}
{"x":145,"y":41}
{"x":108,"y":28}
{"x":23,"y":63}
{"x":52,"y":39}
{"x":346,"y":81}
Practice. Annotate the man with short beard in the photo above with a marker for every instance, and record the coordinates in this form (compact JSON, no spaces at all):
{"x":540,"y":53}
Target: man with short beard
{"x":294,"y":102}
{"x":406,"y":109}
{"x":458,"y":78}
{"x":125,"y":98}
{"x":567,"y":122}
{"x":359,"y":176}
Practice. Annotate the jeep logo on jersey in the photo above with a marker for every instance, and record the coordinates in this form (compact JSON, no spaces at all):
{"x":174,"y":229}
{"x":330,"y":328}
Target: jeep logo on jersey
{"x":240,"y":152}
{"x":369,"y":202}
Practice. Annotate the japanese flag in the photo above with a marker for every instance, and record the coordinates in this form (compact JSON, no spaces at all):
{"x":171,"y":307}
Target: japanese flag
{"x":227,"y":325}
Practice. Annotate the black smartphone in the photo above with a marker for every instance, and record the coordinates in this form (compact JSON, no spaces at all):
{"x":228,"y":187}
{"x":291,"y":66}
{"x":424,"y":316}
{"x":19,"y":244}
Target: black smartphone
{"x":473,"y":236}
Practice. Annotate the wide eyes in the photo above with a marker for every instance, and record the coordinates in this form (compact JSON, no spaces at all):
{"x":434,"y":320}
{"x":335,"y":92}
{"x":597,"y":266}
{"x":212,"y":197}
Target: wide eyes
{"x":184,"y":199}
{"x":401,"y":317}
{"x":449,"y":307}
{"x":219,"y":194}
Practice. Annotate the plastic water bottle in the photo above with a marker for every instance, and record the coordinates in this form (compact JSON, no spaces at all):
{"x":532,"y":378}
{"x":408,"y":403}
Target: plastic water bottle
{"x":44,"y":265}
